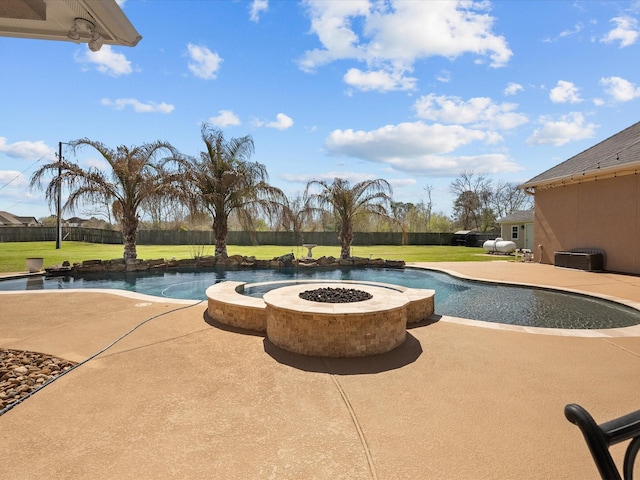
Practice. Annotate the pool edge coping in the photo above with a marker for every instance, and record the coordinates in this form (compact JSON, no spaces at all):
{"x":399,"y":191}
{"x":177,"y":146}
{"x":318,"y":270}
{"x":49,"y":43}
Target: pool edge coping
{"x":621,"y":332}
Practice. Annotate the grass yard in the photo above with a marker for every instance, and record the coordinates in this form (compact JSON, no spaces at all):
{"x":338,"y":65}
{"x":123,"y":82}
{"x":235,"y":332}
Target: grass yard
{"x":13,"y":254}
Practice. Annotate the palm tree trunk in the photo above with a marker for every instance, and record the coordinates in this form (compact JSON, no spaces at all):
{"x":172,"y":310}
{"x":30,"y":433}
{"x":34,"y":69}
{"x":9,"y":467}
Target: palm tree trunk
{"x":346,"y":237}
{"x":220,"y":230}
{"x":129,"y":234}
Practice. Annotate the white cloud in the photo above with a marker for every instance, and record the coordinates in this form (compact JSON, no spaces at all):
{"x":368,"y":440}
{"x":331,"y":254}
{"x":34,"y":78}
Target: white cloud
{"x":620,"y":89}
{"x":576,"y":29}
{"x":351,"y":177}
{"x":450,"y":165}
{"x":568,"y":128}
{"x":14,"y":178}
{"x":224,"y":119}
{"x":395,"y":35}
{"x":418,"y":148}
{"x":512,"y":89}
{"x":380,"y":80}
{"x":97,"y":163}
{"x":137,"y":105}
{"x":444,"y":76}
{"x":282,"y":122}
{"x":257,"y":7}
{"x":402,"y":182}
{"x":204,"y":63}
{"x":402,"y":140}
{"x":626,"y":31}
{"x":477,"y":111}
{"x":25,"y":149}
{"x":565,"y":92}
{"x":331,"y":21}
{"x":106,"y":61}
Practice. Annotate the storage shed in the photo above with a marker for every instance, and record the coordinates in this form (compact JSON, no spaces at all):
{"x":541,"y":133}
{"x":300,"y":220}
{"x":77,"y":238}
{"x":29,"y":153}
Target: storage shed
{"x":517,"y":227}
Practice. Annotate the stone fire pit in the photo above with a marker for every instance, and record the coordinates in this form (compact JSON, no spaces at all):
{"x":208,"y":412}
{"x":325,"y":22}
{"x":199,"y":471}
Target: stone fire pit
{"x":349,"y":329}
{"x":335,"y":295}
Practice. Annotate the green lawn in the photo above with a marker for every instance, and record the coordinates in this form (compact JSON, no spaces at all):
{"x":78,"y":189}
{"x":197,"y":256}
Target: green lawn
{"x":13,"y":254}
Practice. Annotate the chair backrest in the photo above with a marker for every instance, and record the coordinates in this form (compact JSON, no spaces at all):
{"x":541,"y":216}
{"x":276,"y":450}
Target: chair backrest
{"x":600,"y":437}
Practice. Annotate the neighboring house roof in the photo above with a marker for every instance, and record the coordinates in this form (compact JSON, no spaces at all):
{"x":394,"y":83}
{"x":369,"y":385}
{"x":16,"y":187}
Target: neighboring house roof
{"x":28,"y":221}
{"x":93,"y":22}
{"x":75,"y":220}
{"x":9,"y":220}
{"x":521,"y":216}
{"x":618,"y":155}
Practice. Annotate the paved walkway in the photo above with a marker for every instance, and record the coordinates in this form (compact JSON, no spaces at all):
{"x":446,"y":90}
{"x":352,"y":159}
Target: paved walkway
{"x":180,"y":398}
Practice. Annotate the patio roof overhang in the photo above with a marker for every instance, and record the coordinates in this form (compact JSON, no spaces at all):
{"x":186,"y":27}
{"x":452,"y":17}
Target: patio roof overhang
{"x":93,"y":22}
{"x":582,"y":177}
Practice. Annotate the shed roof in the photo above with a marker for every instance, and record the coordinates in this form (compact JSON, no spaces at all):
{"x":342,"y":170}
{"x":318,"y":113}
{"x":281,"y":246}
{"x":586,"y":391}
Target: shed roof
{"x":520,"y":216}
{"x":615,"y":156}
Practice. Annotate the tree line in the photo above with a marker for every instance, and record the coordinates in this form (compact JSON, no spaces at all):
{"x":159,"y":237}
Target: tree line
{"x":224,"y":188}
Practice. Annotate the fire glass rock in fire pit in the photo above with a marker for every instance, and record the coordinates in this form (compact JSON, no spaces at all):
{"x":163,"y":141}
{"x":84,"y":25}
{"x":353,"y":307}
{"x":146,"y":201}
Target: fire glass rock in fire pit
{"x":335,"y":295}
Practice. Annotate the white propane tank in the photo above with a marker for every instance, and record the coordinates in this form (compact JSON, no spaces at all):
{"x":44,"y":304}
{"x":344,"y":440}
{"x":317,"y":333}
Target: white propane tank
{"x":499,"y":245}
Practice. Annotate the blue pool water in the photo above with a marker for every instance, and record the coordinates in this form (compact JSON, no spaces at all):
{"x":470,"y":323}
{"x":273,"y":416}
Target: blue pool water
{"x":455,"y":297}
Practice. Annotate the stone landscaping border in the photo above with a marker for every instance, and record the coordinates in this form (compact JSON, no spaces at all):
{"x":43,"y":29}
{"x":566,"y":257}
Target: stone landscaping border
{"x":233,"y":261}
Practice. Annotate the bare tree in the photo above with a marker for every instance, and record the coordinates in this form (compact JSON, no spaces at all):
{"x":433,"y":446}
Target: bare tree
{"x":472,"y":204}
{"x":429,"y":205}
{"x":479,"y":203}
{"x":295,"y":214}
{"x":508,"y":198}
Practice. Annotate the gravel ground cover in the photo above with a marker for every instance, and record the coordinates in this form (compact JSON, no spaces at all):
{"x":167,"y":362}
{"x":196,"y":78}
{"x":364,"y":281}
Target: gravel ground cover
{"x":23,"y":372}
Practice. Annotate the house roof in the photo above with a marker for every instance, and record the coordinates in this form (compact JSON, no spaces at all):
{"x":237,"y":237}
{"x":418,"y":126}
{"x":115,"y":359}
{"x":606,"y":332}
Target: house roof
{"x":75,"y":220}
{"x":521,"y":216}
{"x":28,"y":220}
{"x":616,"y":156}
{"x":8,"y":219}
{"x":93,"y":22}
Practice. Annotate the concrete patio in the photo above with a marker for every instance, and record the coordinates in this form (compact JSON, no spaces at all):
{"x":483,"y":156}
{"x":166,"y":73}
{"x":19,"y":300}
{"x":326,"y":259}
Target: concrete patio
{"x":180,"y":397}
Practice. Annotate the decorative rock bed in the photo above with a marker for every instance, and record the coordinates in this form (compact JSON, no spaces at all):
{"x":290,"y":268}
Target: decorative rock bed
{"x":366,"y":327}
{"x":22,"y":372}
{"x":233,"y":261}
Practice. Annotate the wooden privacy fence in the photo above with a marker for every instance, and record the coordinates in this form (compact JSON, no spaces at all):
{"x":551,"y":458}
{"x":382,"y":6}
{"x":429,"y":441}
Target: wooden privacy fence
{"x":175,"y":237}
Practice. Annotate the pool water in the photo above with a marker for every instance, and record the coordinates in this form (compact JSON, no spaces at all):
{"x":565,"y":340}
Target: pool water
{"x":489,"y":302}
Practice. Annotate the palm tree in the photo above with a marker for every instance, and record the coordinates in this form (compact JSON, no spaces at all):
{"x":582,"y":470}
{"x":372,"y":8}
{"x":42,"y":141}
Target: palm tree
{"x":136,"y":175}
{"x":370,"y":197}
{"x":223,"y":181}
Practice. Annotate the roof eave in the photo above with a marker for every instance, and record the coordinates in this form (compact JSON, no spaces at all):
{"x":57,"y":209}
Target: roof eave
{"x":111,"y":17}
{"x":593,"y":175}
{"x":112,"y":27}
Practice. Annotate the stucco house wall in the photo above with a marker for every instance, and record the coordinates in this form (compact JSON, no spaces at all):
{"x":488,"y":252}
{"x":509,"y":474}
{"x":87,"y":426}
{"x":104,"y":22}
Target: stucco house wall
{"x":592,"y":200}
{"x":596,"y":214}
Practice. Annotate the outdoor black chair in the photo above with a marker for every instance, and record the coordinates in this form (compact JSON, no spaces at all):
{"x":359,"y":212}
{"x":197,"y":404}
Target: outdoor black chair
{"x":600,"y":437}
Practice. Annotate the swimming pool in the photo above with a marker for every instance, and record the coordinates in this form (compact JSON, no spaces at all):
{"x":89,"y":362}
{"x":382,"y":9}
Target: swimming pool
{"x":456,"y":297}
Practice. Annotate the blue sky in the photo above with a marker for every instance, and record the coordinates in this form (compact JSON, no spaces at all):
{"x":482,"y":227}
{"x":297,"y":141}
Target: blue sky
{"x":411,"y":91}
